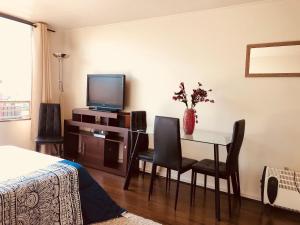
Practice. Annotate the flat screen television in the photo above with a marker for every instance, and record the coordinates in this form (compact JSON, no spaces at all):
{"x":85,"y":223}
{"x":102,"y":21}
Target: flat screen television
{"x":105,"y":91}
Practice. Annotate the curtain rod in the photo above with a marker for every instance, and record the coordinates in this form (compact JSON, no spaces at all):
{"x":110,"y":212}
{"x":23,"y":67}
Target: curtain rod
{"x":17,"y":19}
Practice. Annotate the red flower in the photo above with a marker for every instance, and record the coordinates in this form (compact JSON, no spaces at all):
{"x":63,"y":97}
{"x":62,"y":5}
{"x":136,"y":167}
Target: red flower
{"x":198,"y":95}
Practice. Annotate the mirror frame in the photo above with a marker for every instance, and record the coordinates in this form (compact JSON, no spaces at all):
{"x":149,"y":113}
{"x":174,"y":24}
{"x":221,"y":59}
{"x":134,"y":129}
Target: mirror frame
{"x":266,"y":45}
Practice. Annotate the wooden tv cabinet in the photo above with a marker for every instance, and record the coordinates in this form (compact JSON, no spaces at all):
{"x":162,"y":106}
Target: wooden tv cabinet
{"x":109,"y":153}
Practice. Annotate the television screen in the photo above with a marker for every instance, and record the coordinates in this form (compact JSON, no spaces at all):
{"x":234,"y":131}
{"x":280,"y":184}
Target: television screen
{"x":106,"y":92}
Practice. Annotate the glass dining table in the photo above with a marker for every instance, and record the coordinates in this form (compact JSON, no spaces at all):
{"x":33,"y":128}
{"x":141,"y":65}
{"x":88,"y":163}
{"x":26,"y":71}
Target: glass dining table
{"x":203,"y":136}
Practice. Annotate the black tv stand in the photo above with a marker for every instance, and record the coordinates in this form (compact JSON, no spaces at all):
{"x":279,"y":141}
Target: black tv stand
{"x":107,"y":151}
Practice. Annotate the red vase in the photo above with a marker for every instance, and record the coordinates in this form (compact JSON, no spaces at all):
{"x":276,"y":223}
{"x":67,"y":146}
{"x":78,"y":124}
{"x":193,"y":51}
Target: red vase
{"x":189,"y":121}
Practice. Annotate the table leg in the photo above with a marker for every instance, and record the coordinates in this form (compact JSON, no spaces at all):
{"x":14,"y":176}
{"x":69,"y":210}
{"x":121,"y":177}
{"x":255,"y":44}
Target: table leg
{"x":217,"y":184}
{"x":133,"y":155}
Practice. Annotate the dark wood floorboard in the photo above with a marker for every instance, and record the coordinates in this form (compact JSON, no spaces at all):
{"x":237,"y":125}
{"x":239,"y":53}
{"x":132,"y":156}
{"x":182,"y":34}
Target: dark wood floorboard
{"x":161,"y":206}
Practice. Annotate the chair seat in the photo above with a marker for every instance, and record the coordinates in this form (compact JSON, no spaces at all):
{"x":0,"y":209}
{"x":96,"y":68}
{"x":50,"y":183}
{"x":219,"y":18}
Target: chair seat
{"x":49,"y":140}
{"x":187,"y":164}
{"x":207,"y":166}
{"x":146,"y":155}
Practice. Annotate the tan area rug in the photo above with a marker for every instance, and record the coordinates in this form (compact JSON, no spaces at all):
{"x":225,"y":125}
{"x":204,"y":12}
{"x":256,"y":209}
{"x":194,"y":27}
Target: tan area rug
{"x":129,"y":219}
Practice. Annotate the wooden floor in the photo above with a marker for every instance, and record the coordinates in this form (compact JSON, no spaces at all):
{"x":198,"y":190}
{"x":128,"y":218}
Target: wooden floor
{"x":161,"y":206}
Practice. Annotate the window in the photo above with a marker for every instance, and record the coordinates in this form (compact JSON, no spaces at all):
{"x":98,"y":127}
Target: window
{"x":15,"y":70}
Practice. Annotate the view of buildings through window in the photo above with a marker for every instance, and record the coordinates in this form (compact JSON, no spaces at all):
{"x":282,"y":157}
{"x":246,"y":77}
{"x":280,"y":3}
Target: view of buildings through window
{"x":15,"y":70}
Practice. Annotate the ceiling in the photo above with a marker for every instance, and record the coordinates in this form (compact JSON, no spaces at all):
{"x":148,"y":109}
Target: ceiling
{"x":67,"y":14}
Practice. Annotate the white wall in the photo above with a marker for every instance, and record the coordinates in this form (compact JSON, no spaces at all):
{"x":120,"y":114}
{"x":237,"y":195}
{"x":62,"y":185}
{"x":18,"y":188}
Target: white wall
{"x":207,"y":46}
{"x":15,"y":133}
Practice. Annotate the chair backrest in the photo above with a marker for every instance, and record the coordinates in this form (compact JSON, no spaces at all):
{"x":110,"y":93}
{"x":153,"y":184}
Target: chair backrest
{"x":167,"y":145}
{"x":235,"y":146}
{"x":49,"y":120}
{"x":138,"y":121}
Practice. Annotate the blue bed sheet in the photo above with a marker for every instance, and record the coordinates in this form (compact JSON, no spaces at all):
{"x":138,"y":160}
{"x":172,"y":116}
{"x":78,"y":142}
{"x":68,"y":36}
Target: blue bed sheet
{"x":96,"y":205}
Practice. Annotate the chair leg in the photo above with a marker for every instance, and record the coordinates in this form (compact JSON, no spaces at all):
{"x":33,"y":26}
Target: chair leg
{"x":238,"y":186}
{"x":60,"y":151}
{"x":177,"y":189}
{"x":153,"y":172}
{"x":144,"y":168}
{"x":192,"y":189}
{"x":228,"y":193}
{"x":205,"y":182}
{"x":167,"y":180}
{"x":37,"y":147}
{"x":234,"y":183}
{"x":195,"y":186}
{"x":56,"y":149}
{"x":169,"y":186}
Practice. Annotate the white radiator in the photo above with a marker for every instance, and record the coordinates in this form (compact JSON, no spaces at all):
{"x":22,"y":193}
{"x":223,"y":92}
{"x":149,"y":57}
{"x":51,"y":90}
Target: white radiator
{"x":281,"y":188}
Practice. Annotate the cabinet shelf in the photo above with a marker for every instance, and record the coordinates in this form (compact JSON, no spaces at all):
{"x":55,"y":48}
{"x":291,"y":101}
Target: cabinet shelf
{"x":117,"y":139}
{"x":96,"y":126}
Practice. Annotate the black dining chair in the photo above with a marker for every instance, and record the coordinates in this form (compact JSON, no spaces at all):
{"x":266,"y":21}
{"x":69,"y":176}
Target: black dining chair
{"x":138,"y":123}
{"x":49,"y":127}
{"x":227,"y":170}
{"x":167,"y":150}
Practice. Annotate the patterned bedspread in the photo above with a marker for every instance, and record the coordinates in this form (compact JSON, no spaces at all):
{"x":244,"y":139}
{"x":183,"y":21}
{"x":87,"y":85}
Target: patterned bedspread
{"x":40,"y":189}
{"x":46,"y":196}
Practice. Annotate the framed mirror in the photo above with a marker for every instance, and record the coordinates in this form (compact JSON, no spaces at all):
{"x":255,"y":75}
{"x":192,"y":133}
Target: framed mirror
{"x":278,"y":59}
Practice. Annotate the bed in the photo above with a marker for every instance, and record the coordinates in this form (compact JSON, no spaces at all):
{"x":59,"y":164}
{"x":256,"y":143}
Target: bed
{"x":41,"y":189}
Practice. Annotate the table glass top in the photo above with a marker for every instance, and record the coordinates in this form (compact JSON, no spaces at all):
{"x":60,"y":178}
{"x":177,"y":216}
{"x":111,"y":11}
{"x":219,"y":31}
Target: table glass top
{"x":204,"y":136}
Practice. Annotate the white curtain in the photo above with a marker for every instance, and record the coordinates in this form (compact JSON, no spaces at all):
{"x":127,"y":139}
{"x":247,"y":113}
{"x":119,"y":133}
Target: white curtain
{"x":41,"y":77}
